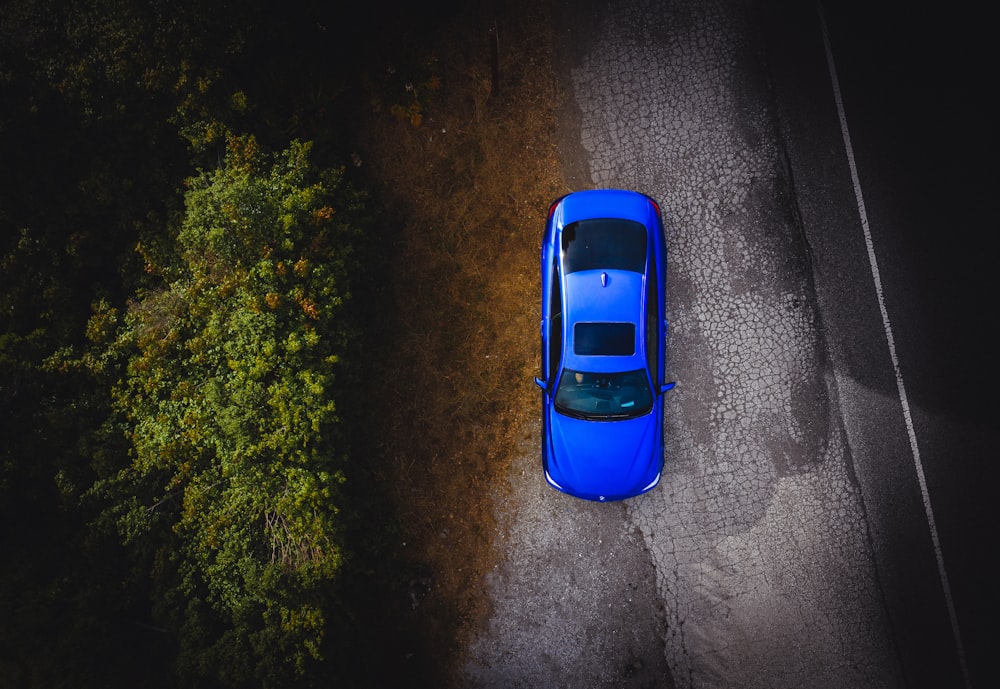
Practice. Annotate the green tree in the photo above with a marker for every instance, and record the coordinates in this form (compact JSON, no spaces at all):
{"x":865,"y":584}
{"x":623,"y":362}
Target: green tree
{"x":230,"y":403}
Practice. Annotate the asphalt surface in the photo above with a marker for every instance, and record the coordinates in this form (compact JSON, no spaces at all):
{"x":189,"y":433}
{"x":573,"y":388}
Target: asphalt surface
{"x":915,"y":89}
{"x":789,"y":543}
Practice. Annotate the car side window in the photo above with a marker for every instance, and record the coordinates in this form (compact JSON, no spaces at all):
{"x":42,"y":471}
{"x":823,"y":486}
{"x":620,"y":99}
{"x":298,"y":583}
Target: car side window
{"x":652,"y":321}
{"x":555,"y":325}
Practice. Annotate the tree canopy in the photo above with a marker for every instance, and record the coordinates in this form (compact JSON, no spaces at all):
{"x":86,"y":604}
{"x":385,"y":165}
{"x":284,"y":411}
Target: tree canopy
{"x":230,"y":402}
{"x":178,"y":498}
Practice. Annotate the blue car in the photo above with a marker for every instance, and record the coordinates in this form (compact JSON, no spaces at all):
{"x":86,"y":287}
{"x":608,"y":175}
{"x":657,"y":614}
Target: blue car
{"x":603,"y":333}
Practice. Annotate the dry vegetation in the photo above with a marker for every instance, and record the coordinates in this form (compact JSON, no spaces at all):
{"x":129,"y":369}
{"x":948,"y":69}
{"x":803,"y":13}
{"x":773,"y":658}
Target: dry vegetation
{"x":469,"y":176}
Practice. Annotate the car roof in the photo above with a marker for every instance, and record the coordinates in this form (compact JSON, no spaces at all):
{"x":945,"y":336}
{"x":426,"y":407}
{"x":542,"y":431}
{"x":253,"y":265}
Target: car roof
{"x":596,"y":296}
{"x":617,"y":297}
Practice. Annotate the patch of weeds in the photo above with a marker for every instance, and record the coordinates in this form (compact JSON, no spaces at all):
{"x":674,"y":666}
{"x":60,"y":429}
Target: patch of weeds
{"x":405,"y":87}
{"x":469,"y":184}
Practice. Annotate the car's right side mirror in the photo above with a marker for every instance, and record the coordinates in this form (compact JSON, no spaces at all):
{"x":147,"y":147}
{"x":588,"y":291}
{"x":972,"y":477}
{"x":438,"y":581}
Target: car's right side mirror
{"x":667,"y":386}
{"x":539,"y":382}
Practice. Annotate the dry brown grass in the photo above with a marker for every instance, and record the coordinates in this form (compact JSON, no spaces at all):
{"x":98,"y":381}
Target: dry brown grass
{"x":471,"y":186}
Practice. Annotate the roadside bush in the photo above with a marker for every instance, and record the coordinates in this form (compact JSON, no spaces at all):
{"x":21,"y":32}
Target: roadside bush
{"x":233,"y":489}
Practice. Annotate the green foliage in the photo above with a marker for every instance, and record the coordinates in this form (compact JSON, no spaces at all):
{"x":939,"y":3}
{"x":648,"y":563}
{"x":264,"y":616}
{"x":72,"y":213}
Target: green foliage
{"x":202,"y":424}
{"x":113,"y":57}
{"x":230,"y":401}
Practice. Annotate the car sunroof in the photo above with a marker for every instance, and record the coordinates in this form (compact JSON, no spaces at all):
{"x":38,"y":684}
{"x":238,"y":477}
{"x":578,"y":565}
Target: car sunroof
{"x":604,"y":339}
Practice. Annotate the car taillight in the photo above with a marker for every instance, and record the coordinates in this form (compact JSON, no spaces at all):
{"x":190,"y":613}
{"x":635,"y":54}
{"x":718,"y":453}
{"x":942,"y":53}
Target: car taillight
{"x":552,"y":208}
{"x":652,"y":201}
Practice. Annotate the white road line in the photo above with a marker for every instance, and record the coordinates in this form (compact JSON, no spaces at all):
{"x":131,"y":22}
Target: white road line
{"x":892,"y":352}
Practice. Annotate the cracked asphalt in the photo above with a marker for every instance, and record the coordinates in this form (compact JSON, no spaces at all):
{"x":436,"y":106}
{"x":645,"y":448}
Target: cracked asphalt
{"x":751,"y":565}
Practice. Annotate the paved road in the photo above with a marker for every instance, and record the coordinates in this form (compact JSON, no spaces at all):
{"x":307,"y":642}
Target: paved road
{"x":915,"y":87}
{"x":788,"y":543}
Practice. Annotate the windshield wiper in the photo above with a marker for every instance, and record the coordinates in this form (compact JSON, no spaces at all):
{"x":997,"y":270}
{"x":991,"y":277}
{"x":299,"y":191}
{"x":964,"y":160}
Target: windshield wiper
{"x":572,"y":412}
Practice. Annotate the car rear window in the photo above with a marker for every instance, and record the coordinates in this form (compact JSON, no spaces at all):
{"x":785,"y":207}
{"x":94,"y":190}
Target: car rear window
{"x":604,"y":339}
{"x":604,"y":244}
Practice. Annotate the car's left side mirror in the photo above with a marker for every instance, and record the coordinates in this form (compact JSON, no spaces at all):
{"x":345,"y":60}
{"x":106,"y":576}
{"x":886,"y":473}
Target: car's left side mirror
{"x":539,"y":382}
{"x":667,"y":386}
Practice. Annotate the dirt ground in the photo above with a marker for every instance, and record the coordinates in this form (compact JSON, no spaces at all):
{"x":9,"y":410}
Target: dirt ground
{"x":469,"y":168}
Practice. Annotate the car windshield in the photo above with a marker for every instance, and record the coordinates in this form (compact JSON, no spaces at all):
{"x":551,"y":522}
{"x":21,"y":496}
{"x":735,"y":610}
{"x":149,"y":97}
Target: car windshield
{"x":604,"y":244}
{"x":603,"y":395}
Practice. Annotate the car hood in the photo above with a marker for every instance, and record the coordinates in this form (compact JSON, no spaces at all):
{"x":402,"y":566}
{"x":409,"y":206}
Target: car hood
{"x":603,"y":460}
